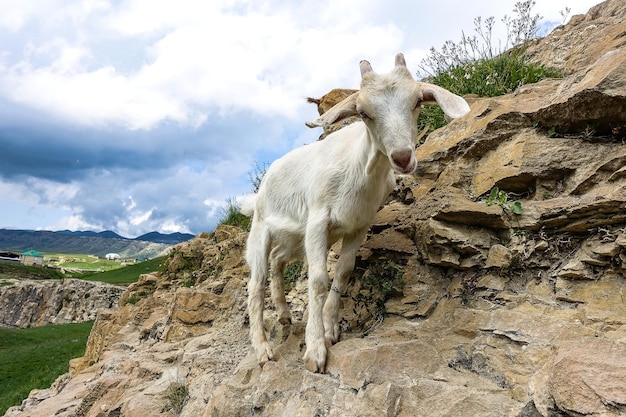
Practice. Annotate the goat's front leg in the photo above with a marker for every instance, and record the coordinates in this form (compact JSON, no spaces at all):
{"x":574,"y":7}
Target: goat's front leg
{"x":343,"y":270}
{"x":316,"y":251}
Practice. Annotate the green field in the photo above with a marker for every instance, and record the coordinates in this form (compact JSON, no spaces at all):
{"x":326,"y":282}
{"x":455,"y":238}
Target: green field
{"x":127,"y":274}
{"x":80,"y":262}
{"x":11,"y":270}
{"x":120,"y":275}
{"x":35,"y":357}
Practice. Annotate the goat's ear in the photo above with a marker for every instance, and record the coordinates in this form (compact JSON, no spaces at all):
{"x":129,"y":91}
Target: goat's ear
{"x":345,"y":108}
{"x":451,"y":104}
{"x":365,"y":67}
{"x":400,"y":62}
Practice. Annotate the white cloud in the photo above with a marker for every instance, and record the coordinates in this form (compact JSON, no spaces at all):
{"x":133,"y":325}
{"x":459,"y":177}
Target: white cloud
{"x":16,"y":13}
{"x":73,"y":222}
{"x":171,"y":102}
{"x":262,"y":62}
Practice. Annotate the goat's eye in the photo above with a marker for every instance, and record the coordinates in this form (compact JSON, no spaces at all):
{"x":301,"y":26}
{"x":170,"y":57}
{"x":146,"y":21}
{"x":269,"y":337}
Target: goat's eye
{"x":363,"y":115}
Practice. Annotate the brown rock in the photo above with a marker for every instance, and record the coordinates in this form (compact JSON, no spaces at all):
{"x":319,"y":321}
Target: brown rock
{"x":607,"y":249}
{"x":574,"y":47}
{"x":575,"y":269}
{"x":499,"y":257}
{"x":590,"y":379}
{"x":391,"y":240}
{"x":327,"y":101}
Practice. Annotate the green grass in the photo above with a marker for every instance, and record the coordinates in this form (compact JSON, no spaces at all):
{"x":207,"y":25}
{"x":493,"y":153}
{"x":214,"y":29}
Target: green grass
{"x":8,"y":270}
{"x":129,"y":273}
{"x":118,"y":276}
{"x":231,"y":215}
{"x":34,"y":357}
{"x":80,"y":262}
{"x":477,"y":64}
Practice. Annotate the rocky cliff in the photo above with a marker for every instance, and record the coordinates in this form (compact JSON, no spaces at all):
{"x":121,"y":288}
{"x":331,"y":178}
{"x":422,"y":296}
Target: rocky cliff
{"x":31,"y":303}
{"x":458,"y":308}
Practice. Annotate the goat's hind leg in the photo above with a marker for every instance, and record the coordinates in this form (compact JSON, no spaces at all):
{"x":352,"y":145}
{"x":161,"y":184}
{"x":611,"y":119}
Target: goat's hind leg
{"x":257,"y":254}
{"x":279,"y":258}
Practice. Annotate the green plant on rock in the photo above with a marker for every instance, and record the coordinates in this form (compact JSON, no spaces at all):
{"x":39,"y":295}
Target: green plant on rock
{"x":477,"y":65}
{"x":501,"y":198}
{"x":231,"y":215}
{"x":552,"y":133}
{"x":145,"y":291}
{"x":183,"y":260}
{"x":378,"y":284}
{"x":292,"y":273}
{"x":176,"y":397}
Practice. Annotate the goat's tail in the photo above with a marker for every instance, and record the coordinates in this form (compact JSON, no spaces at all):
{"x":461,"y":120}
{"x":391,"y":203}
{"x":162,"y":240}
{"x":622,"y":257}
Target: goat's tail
{"x":248,"y":202}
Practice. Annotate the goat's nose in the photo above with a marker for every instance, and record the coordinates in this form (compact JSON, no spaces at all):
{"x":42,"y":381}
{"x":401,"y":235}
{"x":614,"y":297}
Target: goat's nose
{"x":402,"y":158}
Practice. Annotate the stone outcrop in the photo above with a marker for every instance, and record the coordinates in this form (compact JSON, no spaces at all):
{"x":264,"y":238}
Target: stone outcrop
{"x":584,"y":40}
{"x":456,"y":308}
{"x":32,"y":303}
{"x":326,"y":102}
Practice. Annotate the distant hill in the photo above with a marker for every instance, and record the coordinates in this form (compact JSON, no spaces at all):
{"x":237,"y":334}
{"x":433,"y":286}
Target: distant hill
{"x":171,"y":239}
{"x":156,"y":237}
{"x":87,"y":233}
{"x":90,"y":243}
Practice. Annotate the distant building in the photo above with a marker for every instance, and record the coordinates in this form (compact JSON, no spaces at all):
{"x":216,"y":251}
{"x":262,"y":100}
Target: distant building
{"x":12,"y":257}
{"x":31,"y":257}
{"x":112,"y":256}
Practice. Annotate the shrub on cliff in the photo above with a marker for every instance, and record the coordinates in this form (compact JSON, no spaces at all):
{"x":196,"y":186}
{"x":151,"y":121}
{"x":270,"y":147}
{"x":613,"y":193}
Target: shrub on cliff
{"x":474,"y":65}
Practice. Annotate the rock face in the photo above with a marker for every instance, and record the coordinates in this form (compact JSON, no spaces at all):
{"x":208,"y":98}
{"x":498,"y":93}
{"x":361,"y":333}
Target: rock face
{"x":456,"y":308}
{"x":31,"y":303}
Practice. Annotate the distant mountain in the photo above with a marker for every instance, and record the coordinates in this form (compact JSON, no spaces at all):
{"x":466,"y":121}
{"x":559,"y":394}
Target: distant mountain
{"x":107,"y":234}
{"x":156,"y":237}
{"x":90,"y":243}
{"x":171,"y":239}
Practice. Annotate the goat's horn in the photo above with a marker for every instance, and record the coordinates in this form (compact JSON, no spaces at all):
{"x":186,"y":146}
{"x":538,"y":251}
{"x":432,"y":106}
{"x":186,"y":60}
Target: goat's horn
{"x":365,"y":67}
{"x":400,"y":62}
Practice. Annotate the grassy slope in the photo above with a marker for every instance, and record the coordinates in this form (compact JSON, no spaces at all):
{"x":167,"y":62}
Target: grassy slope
{"x":10,"y":270}
{"x":119,"y":276}
{"x":127,"y":274}
{"x":35,"y":357}
{"x":80,"y":261}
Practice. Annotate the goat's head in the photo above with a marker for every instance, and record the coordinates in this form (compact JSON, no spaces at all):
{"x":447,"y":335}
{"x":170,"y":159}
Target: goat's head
{"x":389,"y":105}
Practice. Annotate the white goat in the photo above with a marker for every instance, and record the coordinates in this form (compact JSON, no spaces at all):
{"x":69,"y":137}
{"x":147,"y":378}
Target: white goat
{"x":330,"y":190}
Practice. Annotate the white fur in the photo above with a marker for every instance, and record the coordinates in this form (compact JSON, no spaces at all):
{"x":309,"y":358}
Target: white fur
{"x":331,"y":190}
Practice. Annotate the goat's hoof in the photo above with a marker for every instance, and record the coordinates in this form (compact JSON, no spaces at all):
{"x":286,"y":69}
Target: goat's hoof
{"x":315,"y":360}
{"x":264,"y":353}
{"x":332,"y":336}
{"x":314,"y":367}
{"x":329,"y":341}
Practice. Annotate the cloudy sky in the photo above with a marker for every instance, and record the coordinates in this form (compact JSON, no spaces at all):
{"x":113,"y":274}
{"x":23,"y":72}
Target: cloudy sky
{"x":142,"y":115}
